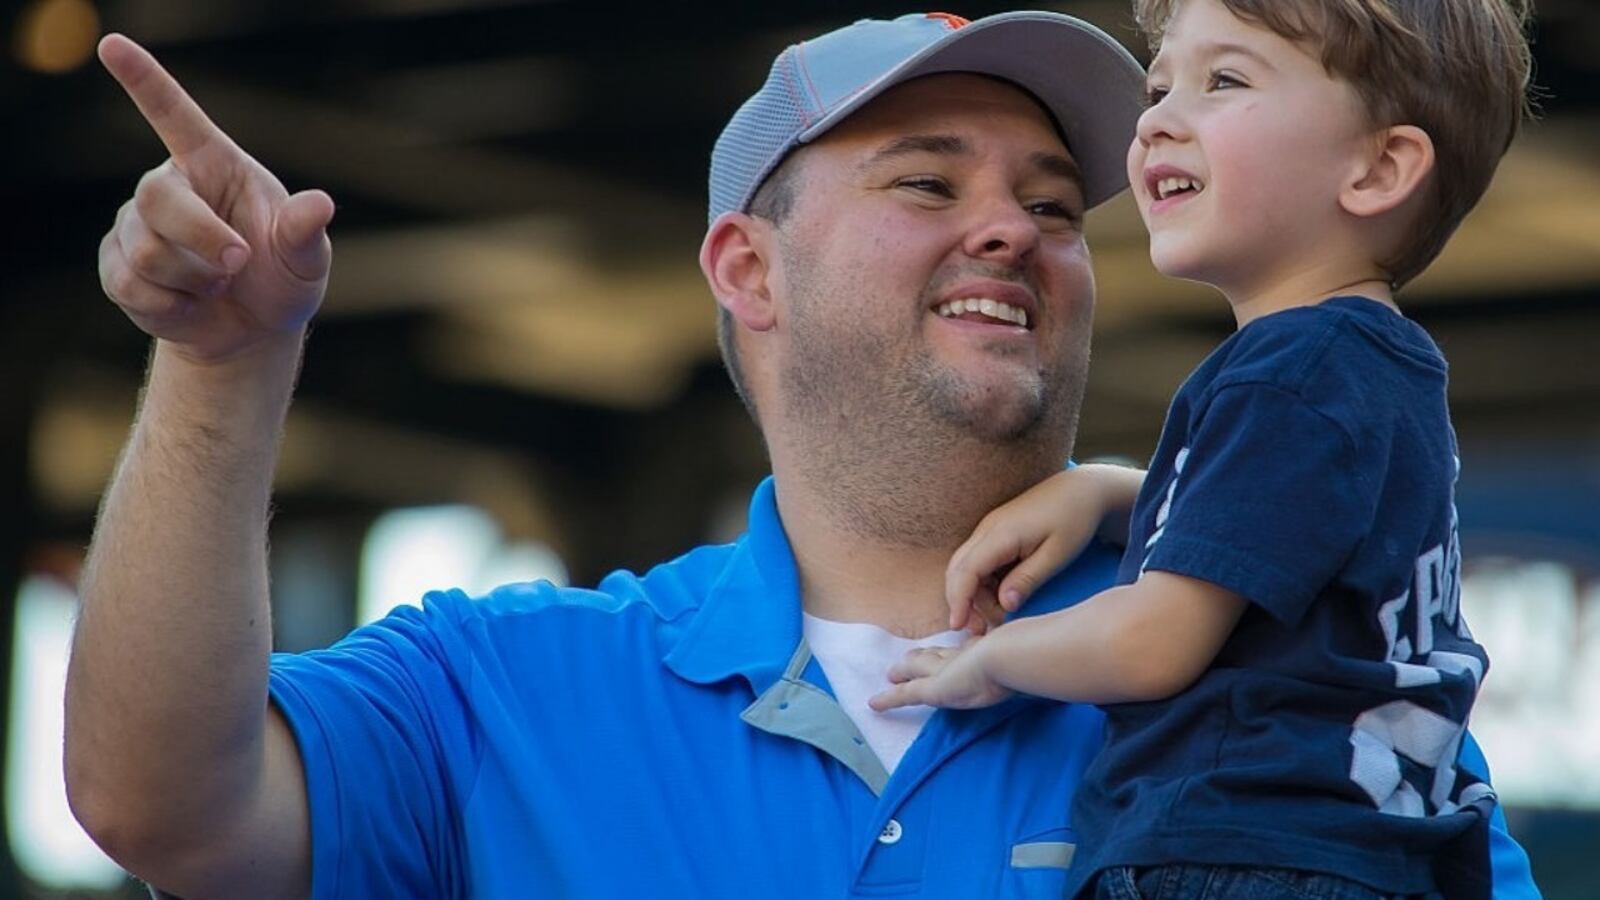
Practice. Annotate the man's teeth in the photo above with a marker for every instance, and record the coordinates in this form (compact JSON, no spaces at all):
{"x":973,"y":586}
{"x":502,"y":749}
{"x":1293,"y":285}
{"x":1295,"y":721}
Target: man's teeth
{"x":1166,"y":187}
{"x":994,"y":309}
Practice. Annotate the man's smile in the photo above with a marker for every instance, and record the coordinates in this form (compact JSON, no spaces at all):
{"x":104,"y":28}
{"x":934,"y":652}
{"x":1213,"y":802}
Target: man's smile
{"x":989,"y":303}
{"x":984,"y":310}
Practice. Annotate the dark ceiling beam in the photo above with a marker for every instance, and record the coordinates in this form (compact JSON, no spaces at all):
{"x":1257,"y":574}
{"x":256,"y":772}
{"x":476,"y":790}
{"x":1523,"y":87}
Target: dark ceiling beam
{"x":355,"y":155}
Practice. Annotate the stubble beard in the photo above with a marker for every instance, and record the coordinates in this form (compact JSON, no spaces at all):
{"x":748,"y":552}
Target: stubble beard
{"x":906,"y":450}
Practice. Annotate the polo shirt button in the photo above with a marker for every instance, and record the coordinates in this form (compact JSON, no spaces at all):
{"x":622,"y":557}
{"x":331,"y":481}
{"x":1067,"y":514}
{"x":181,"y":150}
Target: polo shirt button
{"x":890,"y":833}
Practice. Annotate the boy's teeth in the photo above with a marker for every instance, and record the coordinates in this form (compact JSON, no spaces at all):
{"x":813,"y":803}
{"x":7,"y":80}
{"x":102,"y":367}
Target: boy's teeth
{"x":994,"y":309}
{"x":1166,"y":187}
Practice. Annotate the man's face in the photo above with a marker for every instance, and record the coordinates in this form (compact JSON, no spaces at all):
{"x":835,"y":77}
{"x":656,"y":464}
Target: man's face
{"x":934,"y":263}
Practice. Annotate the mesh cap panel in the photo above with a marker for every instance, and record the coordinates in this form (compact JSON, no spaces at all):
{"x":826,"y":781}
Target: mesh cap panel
{"x":757,"y":137}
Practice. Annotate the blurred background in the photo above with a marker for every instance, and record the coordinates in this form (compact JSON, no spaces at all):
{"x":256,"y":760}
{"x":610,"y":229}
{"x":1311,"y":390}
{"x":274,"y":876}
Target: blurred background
{"x":515,"y":374}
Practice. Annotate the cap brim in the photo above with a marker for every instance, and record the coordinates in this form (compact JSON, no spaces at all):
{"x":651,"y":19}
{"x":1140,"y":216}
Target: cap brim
{"x":1089,"y":82}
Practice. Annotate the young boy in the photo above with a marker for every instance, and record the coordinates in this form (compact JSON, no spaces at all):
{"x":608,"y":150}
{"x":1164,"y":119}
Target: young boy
{"x":1287,"y":673}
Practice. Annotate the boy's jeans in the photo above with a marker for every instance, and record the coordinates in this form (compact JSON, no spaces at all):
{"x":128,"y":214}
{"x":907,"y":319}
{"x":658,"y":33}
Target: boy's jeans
{"x":1226,"y":883}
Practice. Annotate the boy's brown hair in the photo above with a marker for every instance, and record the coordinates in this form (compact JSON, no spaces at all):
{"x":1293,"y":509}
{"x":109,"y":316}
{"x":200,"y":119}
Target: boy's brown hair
{"x":1457,"y":69}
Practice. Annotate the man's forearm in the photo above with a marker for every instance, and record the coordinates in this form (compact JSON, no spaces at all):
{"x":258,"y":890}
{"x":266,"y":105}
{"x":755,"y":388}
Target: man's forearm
{"x":166,"y":690}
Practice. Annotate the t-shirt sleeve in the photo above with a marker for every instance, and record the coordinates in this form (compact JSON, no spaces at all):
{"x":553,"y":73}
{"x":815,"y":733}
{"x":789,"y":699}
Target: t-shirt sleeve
{"x":1269,"y":499}
{"x":379,"y":724}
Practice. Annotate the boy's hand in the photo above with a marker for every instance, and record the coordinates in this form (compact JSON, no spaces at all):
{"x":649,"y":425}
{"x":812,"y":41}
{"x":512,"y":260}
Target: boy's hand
{"x":951,"y":677}
{"x":1020,"y":545}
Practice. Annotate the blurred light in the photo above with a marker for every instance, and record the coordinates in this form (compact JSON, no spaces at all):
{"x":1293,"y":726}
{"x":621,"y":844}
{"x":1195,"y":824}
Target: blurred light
{"x":74,"y":446}
{"x":409,"y":552}
{"x":1535,"y":715}
{"x":47,"y":842}
{"x":525,"y":561}
{"x":57,"y":35}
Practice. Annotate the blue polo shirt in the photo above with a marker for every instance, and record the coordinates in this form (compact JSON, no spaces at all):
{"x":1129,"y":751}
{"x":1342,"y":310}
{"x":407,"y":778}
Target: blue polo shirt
{"x":668,"y":735}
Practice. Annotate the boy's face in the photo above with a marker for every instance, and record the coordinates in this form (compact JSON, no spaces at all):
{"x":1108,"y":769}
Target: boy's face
{"x":1238,"y":163}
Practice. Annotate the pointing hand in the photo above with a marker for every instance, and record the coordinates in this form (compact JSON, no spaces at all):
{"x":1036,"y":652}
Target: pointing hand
{"x":212,"y":254}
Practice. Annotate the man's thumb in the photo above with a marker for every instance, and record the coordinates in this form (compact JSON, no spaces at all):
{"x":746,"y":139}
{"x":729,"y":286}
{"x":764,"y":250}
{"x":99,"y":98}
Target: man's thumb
{"x":300,"y":234}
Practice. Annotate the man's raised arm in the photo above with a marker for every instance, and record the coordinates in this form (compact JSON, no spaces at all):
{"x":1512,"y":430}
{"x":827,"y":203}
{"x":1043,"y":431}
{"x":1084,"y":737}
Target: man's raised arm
{"x":175,"y":763}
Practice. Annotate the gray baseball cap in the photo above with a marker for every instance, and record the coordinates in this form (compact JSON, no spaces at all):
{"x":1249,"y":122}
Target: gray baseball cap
{"x":1091,"y":85}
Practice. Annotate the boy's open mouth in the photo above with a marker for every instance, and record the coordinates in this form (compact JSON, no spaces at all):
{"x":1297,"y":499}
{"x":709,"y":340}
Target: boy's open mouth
{"x":1173,"y":186}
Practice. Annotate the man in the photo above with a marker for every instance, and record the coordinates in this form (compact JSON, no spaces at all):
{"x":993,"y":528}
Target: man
{"x":896,"y":246}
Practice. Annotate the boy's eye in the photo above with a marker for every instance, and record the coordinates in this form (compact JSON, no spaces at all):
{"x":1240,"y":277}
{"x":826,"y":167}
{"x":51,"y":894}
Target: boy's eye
{"x":1154,"y":95}
{"x":1220,"y":80}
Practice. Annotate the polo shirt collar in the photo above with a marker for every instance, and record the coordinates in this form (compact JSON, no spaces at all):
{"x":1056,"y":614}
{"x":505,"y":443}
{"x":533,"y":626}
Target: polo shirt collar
{"x":749,"y":622}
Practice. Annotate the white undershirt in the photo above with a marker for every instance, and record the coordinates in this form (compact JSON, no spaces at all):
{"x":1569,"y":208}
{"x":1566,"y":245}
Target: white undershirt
{"x":856,"y":658}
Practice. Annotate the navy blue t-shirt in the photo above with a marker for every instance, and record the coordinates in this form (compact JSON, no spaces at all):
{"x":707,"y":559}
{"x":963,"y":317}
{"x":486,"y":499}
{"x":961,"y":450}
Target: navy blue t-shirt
{"x":1307,"y":465}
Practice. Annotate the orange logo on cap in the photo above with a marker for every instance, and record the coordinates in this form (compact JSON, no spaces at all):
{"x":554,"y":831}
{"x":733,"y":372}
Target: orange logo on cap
{"x":951,"y":20}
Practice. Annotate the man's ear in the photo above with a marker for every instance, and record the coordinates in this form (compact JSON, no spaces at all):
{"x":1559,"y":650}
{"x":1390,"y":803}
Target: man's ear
{"x":736,"y":259}
{"x":1394,"y":172}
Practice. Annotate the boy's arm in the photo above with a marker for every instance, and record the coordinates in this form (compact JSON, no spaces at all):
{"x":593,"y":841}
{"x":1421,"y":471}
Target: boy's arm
{"x":1142,"y":641}
{"x":1036,"y":534}
{"x":1123,"y":484}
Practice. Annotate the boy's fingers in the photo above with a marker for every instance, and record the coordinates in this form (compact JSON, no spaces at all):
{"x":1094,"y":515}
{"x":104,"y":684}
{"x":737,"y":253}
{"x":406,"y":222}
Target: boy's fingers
{"x":918,"y":663}
{"x":960,"y":581}
{"x":960,"y":601}
{"x":990,"y":614}
{"x":169,"y":205}
{"x":976,"y":561}
{"x":897,"y":696}
{"x":178,"y":121}
{"x":1032,"y":571}
{"x":969,"y":566}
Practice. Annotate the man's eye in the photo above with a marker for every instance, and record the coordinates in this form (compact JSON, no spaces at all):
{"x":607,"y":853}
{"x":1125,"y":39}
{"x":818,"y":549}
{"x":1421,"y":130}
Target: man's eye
{"x":934,"y":186}
{"x":1054,"y":209}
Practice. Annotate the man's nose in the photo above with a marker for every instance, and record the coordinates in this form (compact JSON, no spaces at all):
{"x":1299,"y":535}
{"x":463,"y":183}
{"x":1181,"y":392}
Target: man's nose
{"x":1002,"y":231}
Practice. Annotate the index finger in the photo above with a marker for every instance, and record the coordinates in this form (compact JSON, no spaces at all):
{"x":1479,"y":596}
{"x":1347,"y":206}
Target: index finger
{"x":895,"y":697}
{"x":972,"y":562}
{"x":180,"y":122}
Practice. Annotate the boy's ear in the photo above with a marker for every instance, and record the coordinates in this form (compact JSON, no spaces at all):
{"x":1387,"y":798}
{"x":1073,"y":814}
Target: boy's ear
{"x":736,"y":259}
{"x":1395,"y":170}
